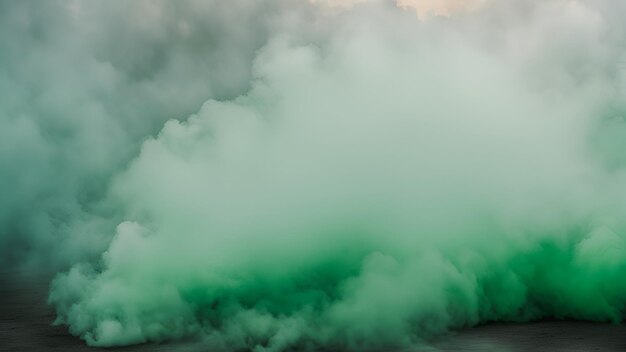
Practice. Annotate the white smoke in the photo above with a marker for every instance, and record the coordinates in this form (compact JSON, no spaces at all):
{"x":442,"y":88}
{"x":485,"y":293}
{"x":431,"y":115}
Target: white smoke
{"x":344,"y":176}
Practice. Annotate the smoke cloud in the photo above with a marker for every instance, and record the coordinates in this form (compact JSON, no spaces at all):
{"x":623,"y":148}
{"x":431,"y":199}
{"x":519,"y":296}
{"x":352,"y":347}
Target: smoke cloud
{"x":84,"y":83}
{"x":276,"y":174}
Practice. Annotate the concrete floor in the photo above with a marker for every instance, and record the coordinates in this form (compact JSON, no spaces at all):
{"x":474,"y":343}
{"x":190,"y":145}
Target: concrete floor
{"x":25,"y":325}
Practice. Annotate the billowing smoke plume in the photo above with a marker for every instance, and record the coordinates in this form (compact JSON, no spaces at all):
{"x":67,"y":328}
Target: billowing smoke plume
{"x":353,"y":176}
{"x":84,"y":83}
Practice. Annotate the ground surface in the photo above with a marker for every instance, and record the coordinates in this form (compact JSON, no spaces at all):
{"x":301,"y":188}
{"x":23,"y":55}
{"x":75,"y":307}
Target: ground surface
{"x":25,"y":325}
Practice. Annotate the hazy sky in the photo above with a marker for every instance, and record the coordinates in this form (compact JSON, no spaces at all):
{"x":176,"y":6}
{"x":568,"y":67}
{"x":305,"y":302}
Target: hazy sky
{"x":424,"y":8}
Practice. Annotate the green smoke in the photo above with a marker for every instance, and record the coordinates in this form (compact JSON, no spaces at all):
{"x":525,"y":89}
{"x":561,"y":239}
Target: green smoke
{"x":355,"y":178}
{"x":82,"y":84}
